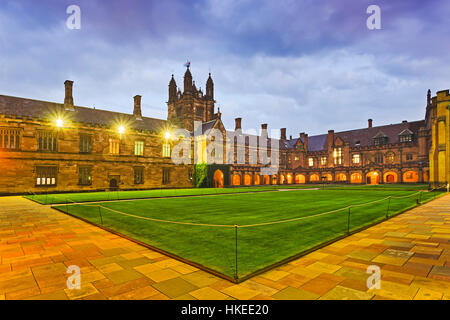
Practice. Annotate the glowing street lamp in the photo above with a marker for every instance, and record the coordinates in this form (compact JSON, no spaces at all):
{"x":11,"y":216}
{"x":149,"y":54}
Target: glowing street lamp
{"x":121,"y":129}
{"x":167,"y":135}
{"x":59,"y":122}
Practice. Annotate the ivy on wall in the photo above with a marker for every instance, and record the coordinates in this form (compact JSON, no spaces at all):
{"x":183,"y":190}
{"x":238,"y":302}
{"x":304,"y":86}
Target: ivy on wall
{"x":201,"y":175}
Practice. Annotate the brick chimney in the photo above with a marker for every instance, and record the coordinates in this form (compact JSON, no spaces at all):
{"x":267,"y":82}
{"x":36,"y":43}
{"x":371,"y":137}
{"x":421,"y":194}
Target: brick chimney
{"x":264,"y":129}
{"x":238,"y":122}
{"x":137,"y":112}
{"x":283,"y":133}
{"x":370,"y":123}
{"x":304,"y":137}
{"x":330,"y":139}
{"x":68,"y":99}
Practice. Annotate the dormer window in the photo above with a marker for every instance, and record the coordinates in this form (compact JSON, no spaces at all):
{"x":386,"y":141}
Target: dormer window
{"x":405,"y":136}
{"x":380,"y":139}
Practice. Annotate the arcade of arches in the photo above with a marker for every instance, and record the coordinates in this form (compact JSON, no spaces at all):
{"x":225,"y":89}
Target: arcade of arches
{"x":373,"y":177}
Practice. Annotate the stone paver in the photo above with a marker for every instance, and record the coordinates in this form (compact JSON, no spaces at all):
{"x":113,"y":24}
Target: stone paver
{"x":37,"y":244}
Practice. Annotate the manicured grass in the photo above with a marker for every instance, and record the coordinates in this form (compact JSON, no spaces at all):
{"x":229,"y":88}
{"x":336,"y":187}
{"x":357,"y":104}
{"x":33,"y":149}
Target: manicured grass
{"x":156,"y":193}
{"x":136,"y":194}
{"x":257,"y":246}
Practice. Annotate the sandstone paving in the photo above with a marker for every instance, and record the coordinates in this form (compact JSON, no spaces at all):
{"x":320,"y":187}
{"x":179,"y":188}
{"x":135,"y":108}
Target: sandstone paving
{"x":37,"y":244}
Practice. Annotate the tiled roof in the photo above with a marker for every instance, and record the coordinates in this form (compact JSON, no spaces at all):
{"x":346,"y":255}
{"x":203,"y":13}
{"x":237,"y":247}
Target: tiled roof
{"x":363,"y":136}
{"x":43,"y":110}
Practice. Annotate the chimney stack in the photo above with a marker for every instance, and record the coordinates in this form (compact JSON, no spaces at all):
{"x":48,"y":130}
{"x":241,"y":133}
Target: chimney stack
{"x":237,"y":122}
{"x":137,"y":112}
{"x":370,"y":123}
{"x":68,"y":99}
{"x":330,"y":139}
{"x":304,"y":137}
{"x":264,"y":126}
{"x":283,"y":133}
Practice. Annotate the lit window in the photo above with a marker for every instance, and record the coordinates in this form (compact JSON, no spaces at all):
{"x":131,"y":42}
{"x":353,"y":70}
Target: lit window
{"x":323,"y":161}
{"x":166,"y":150}
{"x":46,"y":176}
{"x":114,"y":146}
{"x":390,"y":157}
{"x":338,"y":156}
{"x":405,"y":138}
{"x":139,"y":148}
{"x":9,"y":138}
{"x":311,"y":162}
{"x":409,"y":156}
{"x":296,"y":158}
{"x":356,"y":158}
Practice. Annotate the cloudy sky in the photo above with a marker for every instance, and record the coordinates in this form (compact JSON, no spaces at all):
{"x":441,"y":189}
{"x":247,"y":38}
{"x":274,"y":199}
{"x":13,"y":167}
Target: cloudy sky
{"x":306,"y":65}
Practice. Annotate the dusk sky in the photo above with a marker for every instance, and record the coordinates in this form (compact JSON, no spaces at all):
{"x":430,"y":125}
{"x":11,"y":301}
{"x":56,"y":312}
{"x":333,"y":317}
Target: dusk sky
{"x":309,"y":66}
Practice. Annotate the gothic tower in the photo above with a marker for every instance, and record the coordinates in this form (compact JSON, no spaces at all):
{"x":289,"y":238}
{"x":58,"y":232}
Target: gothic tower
{"x":191,"y":105}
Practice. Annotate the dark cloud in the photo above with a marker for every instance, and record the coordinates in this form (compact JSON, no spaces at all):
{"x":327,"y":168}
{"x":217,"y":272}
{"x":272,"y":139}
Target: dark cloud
{"x":306,"y":65}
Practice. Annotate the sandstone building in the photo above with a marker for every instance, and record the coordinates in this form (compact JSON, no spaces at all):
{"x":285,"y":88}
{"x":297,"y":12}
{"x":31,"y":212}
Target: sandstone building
{"x":61,"y":147}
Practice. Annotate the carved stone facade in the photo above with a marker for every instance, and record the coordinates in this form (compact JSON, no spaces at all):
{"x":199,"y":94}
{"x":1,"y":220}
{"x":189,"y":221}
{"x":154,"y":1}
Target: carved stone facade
{"x":61,"y":147}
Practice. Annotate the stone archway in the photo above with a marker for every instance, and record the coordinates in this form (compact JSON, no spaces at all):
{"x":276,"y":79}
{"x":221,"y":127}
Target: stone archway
{"x":390,"y":177}
{"x":300,"y":178}
{"x":372,"y":178}
{"x":410,"y":177}
{"x":257,"y":179}
{"x":266,"y":179}
{"x":314,"y":178}
{"x":247,"y":180}
{"x":236,"y":179}
{"x":218,"y":179}
{"x":356,"y":178}
{"x":289,"y":178}
{"x":113,"y":184}
{"x":341,"y":177}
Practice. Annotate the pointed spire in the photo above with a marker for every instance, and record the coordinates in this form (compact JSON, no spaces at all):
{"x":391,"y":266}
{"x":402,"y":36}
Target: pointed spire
{"x":172,"y":89}
{"x":429,"y":97}
{"x":209,"y":88}
{"x":187,"y":80}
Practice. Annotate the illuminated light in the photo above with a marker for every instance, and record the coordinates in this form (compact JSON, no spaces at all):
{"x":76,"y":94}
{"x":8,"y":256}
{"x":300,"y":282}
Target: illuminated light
{"x":59,"y":122}
{"x":121,"y":129}
{"x":167,"y":135}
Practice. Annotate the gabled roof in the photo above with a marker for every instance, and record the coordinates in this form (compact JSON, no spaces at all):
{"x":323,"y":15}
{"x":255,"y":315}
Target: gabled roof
{"x":44,"y":110}
{"x":363,"y":136}
{"x":405,"y":132}
{"x":380,"y":135}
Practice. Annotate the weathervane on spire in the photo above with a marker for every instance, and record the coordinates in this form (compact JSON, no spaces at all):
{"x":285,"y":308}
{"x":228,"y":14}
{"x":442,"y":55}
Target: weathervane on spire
{"x":187,"y":64}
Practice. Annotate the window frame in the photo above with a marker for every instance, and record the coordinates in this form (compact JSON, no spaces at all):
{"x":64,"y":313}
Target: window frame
{"x":85,"y":143}
{"x":46,"y":173}
{"x":138,"y":176}
{"x":6,"y":138}
{"x":166,"y":150}
{"x":165,"y":176}
{"x":139,"y":148}
{"x":82,"y":180}
{"x":114,"y":147}
{"x":338,"y":156}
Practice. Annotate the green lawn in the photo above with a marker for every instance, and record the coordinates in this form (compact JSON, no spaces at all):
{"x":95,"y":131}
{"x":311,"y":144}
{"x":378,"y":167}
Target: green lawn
{"x":257,"y":246}
{"x":156,"y":193}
